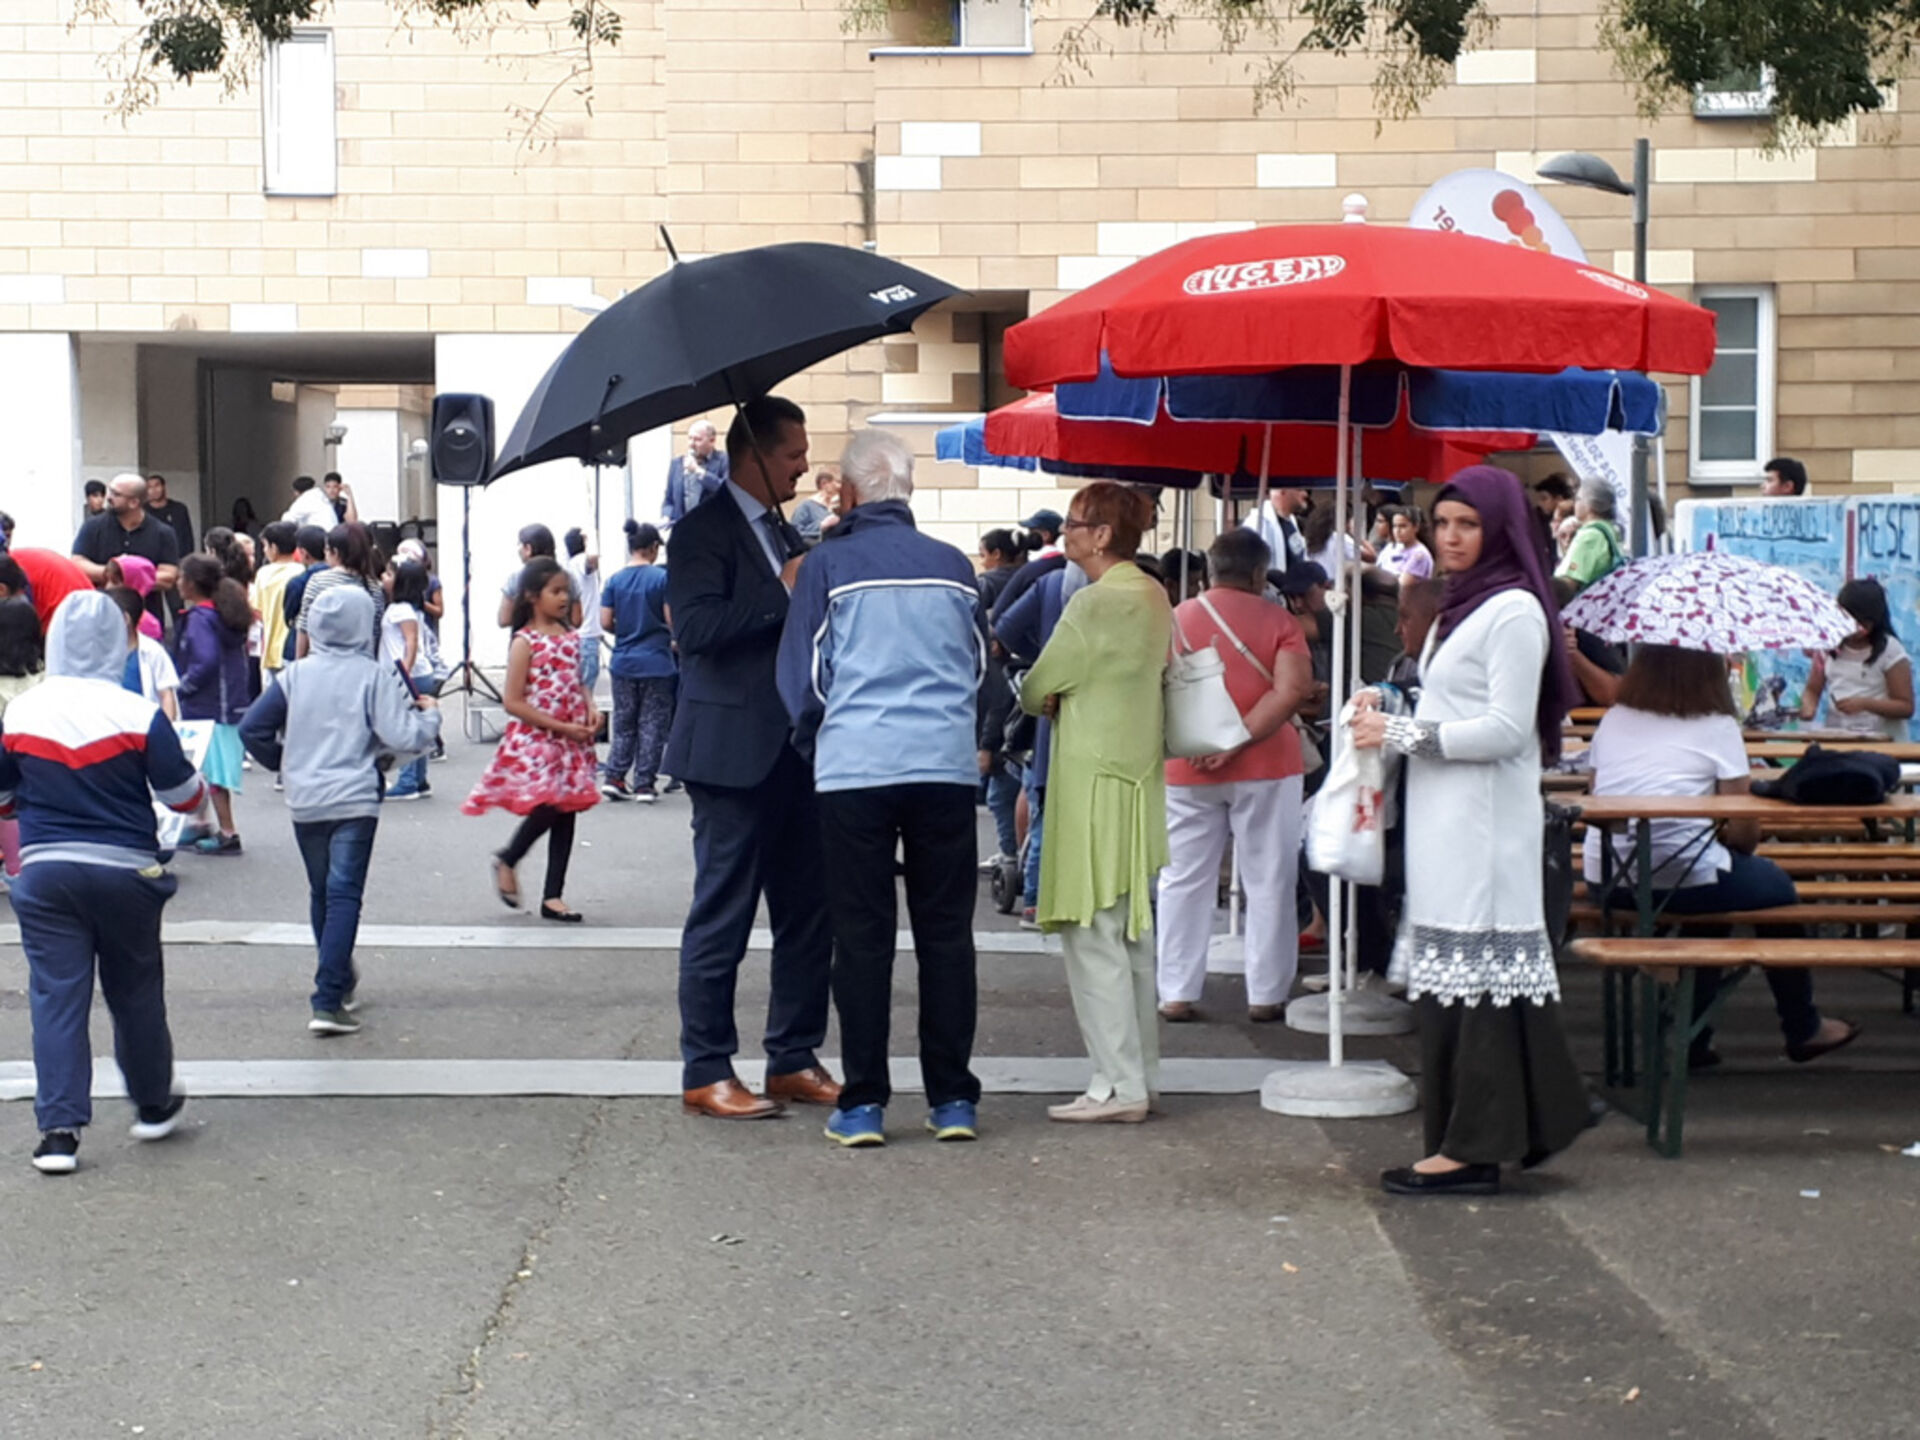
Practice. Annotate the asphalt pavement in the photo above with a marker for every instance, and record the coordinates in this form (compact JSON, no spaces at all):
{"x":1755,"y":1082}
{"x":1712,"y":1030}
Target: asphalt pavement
{"x":504,"y":1265}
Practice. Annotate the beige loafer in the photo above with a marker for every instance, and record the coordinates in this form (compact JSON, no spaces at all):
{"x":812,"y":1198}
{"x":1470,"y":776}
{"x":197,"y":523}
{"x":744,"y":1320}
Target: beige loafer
{"x":1085,"y":1110}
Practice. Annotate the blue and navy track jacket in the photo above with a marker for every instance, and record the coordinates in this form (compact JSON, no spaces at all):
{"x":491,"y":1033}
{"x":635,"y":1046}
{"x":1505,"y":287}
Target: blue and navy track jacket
{"x":882,"y":655}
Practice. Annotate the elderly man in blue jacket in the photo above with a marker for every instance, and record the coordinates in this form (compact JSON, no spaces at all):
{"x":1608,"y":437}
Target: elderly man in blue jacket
{"x":879,"y":666}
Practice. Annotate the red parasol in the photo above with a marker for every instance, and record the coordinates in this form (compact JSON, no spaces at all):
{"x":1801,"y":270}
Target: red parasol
{"x":1032,"y":426}
{"x":1260,"y":300}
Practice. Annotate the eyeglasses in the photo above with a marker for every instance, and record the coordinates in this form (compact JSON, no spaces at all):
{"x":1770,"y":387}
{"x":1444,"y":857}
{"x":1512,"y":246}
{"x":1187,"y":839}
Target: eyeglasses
{"x":1072,"y":524}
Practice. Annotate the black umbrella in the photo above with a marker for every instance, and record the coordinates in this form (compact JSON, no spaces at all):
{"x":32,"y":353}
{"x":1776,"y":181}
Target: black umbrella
{"x":709,"y":333}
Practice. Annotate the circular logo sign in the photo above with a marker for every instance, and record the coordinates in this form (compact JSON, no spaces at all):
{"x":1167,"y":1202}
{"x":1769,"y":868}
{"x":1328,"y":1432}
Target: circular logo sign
{"x":1614,"y":282}
{"x":1263,"y":274}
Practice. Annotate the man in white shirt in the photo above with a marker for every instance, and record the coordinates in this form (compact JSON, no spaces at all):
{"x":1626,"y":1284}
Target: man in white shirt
{"x":1277,"y":526}
{"x":310,"y":505}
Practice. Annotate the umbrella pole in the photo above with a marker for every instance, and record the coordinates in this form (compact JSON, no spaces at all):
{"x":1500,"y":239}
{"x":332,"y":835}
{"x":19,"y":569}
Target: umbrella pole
{"x":1336,"y":1090}
{"x":1260,"y":493}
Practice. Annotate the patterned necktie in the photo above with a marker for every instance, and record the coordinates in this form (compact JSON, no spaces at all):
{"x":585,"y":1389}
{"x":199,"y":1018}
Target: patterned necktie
{"x":786,"y":540}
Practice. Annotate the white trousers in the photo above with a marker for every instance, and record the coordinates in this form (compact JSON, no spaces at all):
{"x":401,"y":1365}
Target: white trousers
{"x":1263,"y":816}
{"x":1111,"y":980}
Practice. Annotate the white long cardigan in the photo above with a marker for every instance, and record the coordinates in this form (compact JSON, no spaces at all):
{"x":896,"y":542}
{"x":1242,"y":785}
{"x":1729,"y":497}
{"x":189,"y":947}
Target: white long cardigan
{"x":1474,"y":922}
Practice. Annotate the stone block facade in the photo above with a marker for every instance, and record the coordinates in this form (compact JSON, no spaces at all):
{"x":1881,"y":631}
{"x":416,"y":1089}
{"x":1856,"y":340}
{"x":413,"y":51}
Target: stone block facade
{"x":740,"y":122}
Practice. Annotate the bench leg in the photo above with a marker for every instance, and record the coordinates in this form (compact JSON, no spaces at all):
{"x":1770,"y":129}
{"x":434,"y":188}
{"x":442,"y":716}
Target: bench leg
{"x":1681,"y":1030}
{"x":1652,"y":1088}
{"x":1610,"y":1025}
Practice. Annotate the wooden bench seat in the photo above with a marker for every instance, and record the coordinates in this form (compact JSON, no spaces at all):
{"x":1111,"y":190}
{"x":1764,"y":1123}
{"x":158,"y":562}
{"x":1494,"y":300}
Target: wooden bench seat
{"x":1907,"y":865}
{"x":1866,"y":891}
{"x":1678,"y":953}
{"x":1655,"y":1089}
{"x":1841,"y":850}
{"x":1824,"y":913}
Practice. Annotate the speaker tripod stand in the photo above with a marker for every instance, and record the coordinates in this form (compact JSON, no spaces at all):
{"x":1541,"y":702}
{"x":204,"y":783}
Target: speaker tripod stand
{"x":470,"y":678}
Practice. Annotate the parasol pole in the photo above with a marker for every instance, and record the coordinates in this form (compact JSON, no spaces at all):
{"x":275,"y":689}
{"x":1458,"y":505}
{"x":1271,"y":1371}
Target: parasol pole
{"x":1338,"y":894}
{"x":1336,"y":1090}
{"x":1260,"y":494}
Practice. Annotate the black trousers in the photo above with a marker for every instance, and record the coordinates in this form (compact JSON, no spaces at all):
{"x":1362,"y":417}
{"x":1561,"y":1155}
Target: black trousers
{"x":746,"y":841}
{"x":933,"y":825}
{"x":557,"y":826}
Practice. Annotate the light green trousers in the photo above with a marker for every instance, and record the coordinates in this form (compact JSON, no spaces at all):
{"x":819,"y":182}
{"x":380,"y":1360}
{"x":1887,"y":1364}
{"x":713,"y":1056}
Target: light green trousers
{"x":1112,"y":982}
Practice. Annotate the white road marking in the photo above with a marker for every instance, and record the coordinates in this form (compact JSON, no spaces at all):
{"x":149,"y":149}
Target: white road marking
{"x":331,"y":1077}
{"x":515,"y":937}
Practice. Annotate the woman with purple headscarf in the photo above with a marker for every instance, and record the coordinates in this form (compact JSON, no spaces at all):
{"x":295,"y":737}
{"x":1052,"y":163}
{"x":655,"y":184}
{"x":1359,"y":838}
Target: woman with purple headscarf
{"x":1499,"y":1083}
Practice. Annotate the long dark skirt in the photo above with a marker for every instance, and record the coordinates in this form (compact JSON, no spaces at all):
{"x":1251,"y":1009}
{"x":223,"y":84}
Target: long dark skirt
{"x":1498,"y":1082}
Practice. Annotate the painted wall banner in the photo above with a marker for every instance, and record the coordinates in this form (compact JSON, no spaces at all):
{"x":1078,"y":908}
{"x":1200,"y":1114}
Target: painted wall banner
{"x":1829,"y":541}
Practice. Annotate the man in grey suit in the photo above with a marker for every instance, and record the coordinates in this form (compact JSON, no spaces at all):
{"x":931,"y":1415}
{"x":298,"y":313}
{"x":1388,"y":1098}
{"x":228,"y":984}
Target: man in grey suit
{"x":756,"y":827}
{"x":696,"y":476}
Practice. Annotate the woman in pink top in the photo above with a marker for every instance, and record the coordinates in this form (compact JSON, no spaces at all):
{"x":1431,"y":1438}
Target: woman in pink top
{"x":1252,"y":793}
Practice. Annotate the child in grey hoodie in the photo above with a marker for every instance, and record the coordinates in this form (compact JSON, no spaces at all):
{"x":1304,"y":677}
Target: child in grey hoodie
{"x":323,"y":724}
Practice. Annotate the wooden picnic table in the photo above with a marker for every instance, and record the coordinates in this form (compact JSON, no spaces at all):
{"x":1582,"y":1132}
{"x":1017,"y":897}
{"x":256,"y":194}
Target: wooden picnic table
{"x":1783,"y":747}
{"x":1656,"y":1088}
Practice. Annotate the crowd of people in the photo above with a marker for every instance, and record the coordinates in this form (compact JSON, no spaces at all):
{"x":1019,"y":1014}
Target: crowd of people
{"x":841,"y":685}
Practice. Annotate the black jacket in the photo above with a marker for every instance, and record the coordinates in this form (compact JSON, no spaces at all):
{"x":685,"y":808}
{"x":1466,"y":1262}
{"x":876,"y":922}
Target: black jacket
{"x":728,"y":608}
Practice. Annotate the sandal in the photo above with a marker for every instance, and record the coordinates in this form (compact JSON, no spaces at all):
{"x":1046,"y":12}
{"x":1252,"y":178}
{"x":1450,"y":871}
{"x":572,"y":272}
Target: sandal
{"x":508,"y":898}
{"x":562,"y":917}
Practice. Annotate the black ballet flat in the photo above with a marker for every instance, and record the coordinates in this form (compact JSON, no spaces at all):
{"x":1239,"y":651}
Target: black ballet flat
{"x":561,"y":917}
{"x":1467,"y":1180}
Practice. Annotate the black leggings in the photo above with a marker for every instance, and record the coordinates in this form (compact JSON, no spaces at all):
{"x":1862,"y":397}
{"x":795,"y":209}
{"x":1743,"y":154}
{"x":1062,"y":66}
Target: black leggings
{"x":557,"y":826}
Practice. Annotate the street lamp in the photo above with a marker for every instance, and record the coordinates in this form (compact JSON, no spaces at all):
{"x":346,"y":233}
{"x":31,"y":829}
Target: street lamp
{"x":1593,"y":173}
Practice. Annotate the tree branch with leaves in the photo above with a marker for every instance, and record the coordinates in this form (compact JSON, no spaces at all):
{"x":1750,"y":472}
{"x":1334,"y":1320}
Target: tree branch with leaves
{"x":1829,"y":59}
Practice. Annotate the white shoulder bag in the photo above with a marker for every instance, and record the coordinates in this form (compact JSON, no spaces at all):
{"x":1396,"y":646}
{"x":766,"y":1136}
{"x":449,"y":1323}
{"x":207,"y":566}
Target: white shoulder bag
{"x":1201,"y":718}
{"x":1310,"y":757}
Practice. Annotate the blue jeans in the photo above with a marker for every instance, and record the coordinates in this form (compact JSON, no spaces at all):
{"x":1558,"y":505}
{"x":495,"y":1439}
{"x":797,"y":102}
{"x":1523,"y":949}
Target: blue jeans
{"x":1030,"y":881}
{"x":72,"y":916}
{"x":1753,"y":882}
{"x":642,"y":716}
{"x":1003,"y":790}
{"x":336,"y":854}
{"x":589,"y":661}
{"x":411,"y":779}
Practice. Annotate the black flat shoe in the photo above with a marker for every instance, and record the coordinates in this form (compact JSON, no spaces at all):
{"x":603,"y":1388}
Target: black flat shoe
{"x":1813,"y":1050}
{"x":508,"y":898}
{"x":561,"y":917}
{"x":1467,"y":1180}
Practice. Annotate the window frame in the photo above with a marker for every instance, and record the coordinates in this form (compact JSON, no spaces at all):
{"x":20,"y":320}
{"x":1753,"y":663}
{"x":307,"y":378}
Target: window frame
{"x":1766,"y":355}
{"x":960,"y":45}
{"x":273,"y":181}
{"x":1754,"y":104}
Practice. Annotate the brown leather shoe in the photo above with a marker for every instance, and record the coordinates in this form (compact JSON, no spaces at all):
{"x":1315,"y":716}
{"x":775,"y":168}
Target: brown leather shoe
{"x":812,"y":1086}
{"x":729,"y":1100}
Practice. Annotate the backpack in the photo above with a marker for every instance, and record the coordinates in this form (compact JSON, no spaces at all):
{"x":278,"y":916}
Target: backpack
{"x":1834,"y":777}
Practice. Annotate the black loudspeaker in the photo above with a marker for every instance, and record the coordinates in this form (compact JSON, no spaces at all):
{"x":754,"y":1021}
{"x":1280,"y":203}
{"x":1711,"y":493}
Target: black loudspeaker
{"x":461,"y":446}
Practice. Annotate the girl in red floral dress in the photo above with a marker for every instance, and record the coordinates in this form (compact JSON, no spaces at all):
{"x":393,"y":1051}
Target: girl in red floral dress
{"x":544,"y":769}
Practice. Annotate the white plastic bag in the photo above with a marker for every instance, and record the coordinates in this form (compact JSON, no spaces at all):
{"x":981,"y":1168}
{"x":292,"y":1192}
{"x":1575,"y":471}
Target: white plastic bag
{"x":1347,"y":833}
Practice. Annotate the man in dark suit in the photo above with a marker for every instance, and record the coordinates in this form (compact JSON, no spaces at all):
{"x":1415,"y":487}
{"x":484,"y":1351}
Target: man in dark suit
{"x":695,"y":477}
{"x":755,"y":825}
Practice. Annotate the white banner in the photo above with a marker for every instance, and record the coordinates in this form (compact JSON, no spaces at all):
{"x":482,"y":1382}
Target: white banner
{"x":1607,"y":457}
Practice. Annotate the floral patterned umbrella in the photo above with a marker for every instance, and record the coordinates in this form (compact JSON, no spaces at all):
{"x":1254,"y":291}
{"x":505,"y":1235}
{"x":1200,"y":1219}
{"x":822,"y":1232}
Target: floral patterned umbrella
{"x":1709,"y":600}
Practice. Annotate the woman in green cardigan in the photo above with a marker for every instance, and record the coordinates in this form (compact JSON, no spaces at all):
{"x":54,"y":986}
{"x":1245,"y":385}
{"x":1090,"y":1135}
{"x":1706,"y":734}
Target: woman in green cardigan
{"x":1099,"y":677}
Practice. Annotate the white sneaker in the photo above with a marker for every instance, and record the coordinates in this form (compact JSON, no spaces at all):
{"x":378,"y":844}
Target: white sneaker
{"x":993,"y":862}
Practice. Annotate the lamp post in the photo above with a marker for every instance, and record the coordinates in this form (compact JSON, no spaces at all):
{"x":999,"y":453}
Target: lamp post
{"x":1590,"y":171}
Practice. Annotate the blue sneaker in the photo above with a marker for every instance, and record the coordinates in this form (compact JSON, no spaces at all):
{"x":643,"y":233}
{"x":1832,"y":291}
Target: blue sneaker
{"x":954,"y":1120}
{"x":862,"y":1125}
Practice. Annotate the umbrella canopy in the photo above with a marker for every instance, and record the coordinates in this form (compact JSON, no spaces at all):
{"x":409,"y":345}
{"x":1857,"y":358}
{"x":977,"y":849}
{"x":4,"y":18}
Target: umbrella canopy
{"x":1384,"y":394}
{"x":1259,"y":300}
{"x":1033,"y":426}
{"x":709,"y":333}
{"x":1710,"y":600}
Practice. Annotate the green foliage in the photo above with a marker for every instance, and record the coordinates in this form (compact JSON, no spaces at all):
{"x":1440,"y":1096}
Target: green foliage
{"x":1829,"y":58}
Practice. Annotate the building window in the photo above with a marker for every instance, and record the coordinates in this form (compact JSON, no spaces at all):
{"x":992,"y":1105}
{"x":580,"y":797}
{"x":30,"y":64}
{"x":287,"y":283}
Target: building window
{"x":991,"y":25}
{"x":1730,"y":435}
{"x":1738,"y":94}
{"x":297,"y":99}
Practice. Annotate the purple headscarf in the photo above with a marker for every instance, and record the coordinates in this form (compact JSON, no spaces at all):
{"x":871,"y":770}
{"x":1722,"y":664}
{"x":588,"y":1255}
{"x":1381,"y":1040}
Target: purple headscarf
{"x":1510,"y":560}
